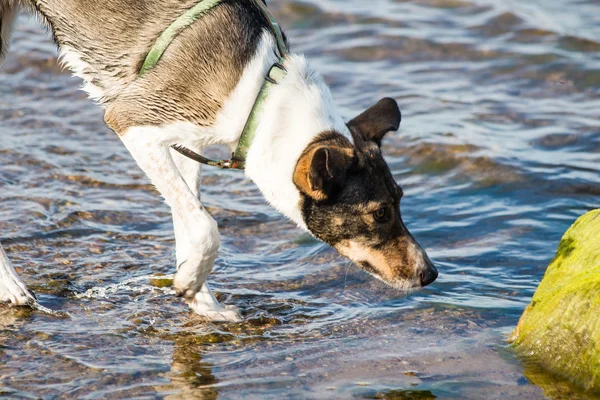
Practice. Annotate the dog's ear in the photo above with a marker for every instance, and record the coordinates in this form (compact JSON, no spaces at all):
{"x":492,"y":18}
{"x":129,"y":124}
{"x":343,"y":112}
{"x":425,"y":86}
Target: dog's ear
{"x":320,"y":169}
{"x":378,"y":120}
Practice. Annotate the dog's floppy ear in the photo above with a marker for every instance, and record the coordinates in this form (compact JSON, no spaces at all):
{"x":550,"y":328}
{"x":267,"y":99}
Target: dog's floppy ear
{"x":378,"y":120}
{"x":320,"y":169}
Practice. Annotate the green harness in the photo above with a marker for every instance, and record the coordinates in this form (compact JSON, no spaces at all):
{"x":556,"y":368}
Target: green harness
{"x":276,"y":73}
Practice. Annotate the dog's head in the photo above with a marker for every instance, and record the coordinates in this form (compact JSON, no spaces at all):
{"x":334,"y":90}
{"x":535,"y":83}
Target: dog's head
{"x":351,"y":201}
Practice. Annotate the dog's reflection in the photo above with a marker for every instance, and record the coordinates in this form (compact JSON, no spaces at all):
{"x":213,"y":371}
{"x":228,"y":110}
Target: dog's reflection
{"x":190,"y":377}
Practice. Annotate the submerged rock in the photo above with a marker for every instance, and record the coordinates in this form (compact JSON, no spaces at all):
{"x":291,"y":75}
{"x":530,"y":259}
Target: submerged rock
{"x":560,"y":329}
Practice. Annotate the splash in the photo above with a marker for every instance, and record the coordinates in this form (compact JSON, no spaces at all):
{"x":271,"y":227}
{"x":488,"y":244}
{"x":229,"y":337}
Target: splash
{"x":59,"y":314}
{"x":129,"y":285}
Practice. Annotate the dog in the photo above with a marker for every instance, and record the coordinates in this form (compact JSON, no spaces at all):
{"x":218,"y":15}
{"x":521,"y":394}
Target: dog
{"x":327,"y":176}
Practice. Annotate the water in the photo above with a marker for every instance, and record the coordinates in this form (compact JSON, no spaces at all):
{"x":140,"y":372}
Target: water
{"x":498,"y":154}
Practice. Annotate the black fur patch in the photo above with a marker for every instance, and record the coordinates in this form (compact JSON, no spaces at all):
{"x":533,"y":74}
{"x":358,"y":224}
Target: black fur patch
{"x":345,"y":219}
{"x":369,"y":180}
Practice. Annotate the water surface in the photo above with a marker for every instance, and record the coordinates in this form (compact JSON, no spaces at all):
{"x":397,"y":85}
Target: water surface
{"x":498,"y":154}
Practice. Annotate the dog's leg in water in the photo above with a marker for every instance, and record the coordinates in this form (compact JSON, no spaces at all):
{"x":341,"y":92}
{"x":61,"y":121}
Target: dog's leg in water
{"x":12,"y":288}
{"x":150,"y":147}
{"x":204,"y":303}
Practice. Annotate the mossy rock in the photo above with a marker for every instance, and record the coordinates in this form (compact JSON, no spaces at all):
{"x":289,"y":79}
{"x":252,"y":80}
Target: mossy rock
{"x":161,"y":282}
{"x":560,"y":329}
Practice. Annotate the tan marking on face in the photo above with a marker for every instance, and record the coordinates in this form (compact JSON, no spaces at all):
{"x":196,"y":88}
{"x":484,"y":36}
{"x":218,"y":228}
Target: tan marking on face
{"x":358,"y":252}
{"x":397,"y":262}
{"x":337,"y":221}
{"x":370,"y":207}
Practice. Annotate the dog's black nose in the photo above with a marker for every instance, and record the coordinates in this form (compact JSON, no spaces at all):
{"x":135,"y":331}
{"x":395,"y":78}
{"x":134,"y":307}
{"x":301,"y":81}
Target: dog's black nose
{"x":428,"y":275}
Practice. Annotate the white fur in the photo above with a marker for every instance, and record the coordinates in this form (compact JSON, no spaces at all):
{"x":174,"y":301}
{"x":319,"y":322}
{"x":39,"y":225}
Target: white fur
{"x":205,"y":304}
{"x":197,"y":236}
{"x":295,"y":112}
{"x":73,"y":60}
{"x":12,"y":288}
{"x":231,"y":119}
{"x":190,"y":172}
{"x":150,"y":147}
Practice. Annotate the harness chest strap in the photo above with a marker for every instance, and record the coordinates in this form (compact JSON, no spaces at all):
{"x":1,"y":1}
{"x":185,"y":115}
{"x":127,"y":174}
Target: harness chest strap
{"x":276,"y":73}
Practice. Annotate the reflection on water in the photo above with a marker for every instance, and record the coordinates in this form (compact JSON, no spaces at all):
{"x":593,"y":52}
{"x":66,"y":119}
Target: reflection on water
{"x":498,"y":153}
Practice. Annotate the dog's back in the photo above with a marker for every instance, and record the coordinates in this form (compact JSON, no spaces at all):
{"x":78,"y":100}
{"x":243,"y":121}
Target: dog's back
{"x":105,"y":43}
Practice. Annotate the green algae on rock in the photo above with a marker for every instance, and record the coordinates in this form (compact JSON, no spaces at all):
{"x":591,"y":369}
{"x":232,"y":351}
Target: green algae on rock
{"x":560,"y":329}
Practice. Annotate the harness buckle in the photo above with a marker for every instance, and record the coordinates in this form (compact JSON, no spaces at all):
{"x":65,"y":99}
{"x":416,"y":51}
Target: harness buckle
{"x":280,"y":66}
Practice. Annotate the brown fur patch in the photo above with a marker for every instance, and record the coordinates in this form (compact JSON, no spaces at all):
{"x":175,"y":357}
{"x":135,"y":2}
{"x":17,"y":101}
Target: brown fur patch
{"x":302,"y":176}
{"x":393,"y":261}
{"x":360,"y":253}
{"x":340,"y":157}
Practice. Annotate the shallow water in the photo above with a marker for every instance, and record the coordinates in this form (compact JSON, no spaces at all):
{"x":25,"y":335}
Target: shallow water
{"x":498,"y":154}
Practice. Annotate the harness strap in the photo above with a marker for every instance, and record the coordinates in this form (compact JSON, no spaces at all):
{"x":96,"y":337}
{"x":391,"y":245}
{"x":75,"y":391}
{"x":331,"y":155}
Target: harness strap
{"x":223,"y":164}
{"x":275,"y":28}
{"x":169,"y":34}
{"x":274,"y":76}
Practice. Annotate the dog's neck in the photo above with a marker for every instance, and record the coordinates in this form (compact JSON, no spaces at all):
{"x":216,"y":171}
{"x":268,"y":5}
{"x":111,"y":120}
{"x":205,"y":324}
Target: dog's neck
{"x":296,"y":111}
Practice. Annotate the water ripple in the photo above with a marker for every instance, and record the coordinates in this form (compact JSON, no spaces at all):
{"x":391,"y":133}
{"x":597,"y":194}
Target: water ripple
{"x":498,"y":153}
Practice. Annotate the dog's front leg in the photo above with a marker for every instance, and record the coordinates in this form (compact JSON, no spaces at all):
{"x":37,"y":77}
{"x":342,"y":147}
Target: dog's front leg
{"x":190,"y":172}
{"x":150,"y":147}
{"x":204,"y":302}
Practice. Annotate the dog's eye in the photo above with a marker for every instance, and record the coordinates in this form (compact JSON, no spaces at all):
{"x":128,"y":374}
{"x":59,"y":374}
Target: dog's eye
{"x":382,"y":215}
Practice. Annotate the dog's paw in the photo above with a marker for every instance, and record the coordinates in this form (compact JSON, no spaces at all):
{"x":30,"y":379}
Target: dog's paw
{"x":215,"y":313}
{"x":15,"y":292}
{"x":221,"y":316}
